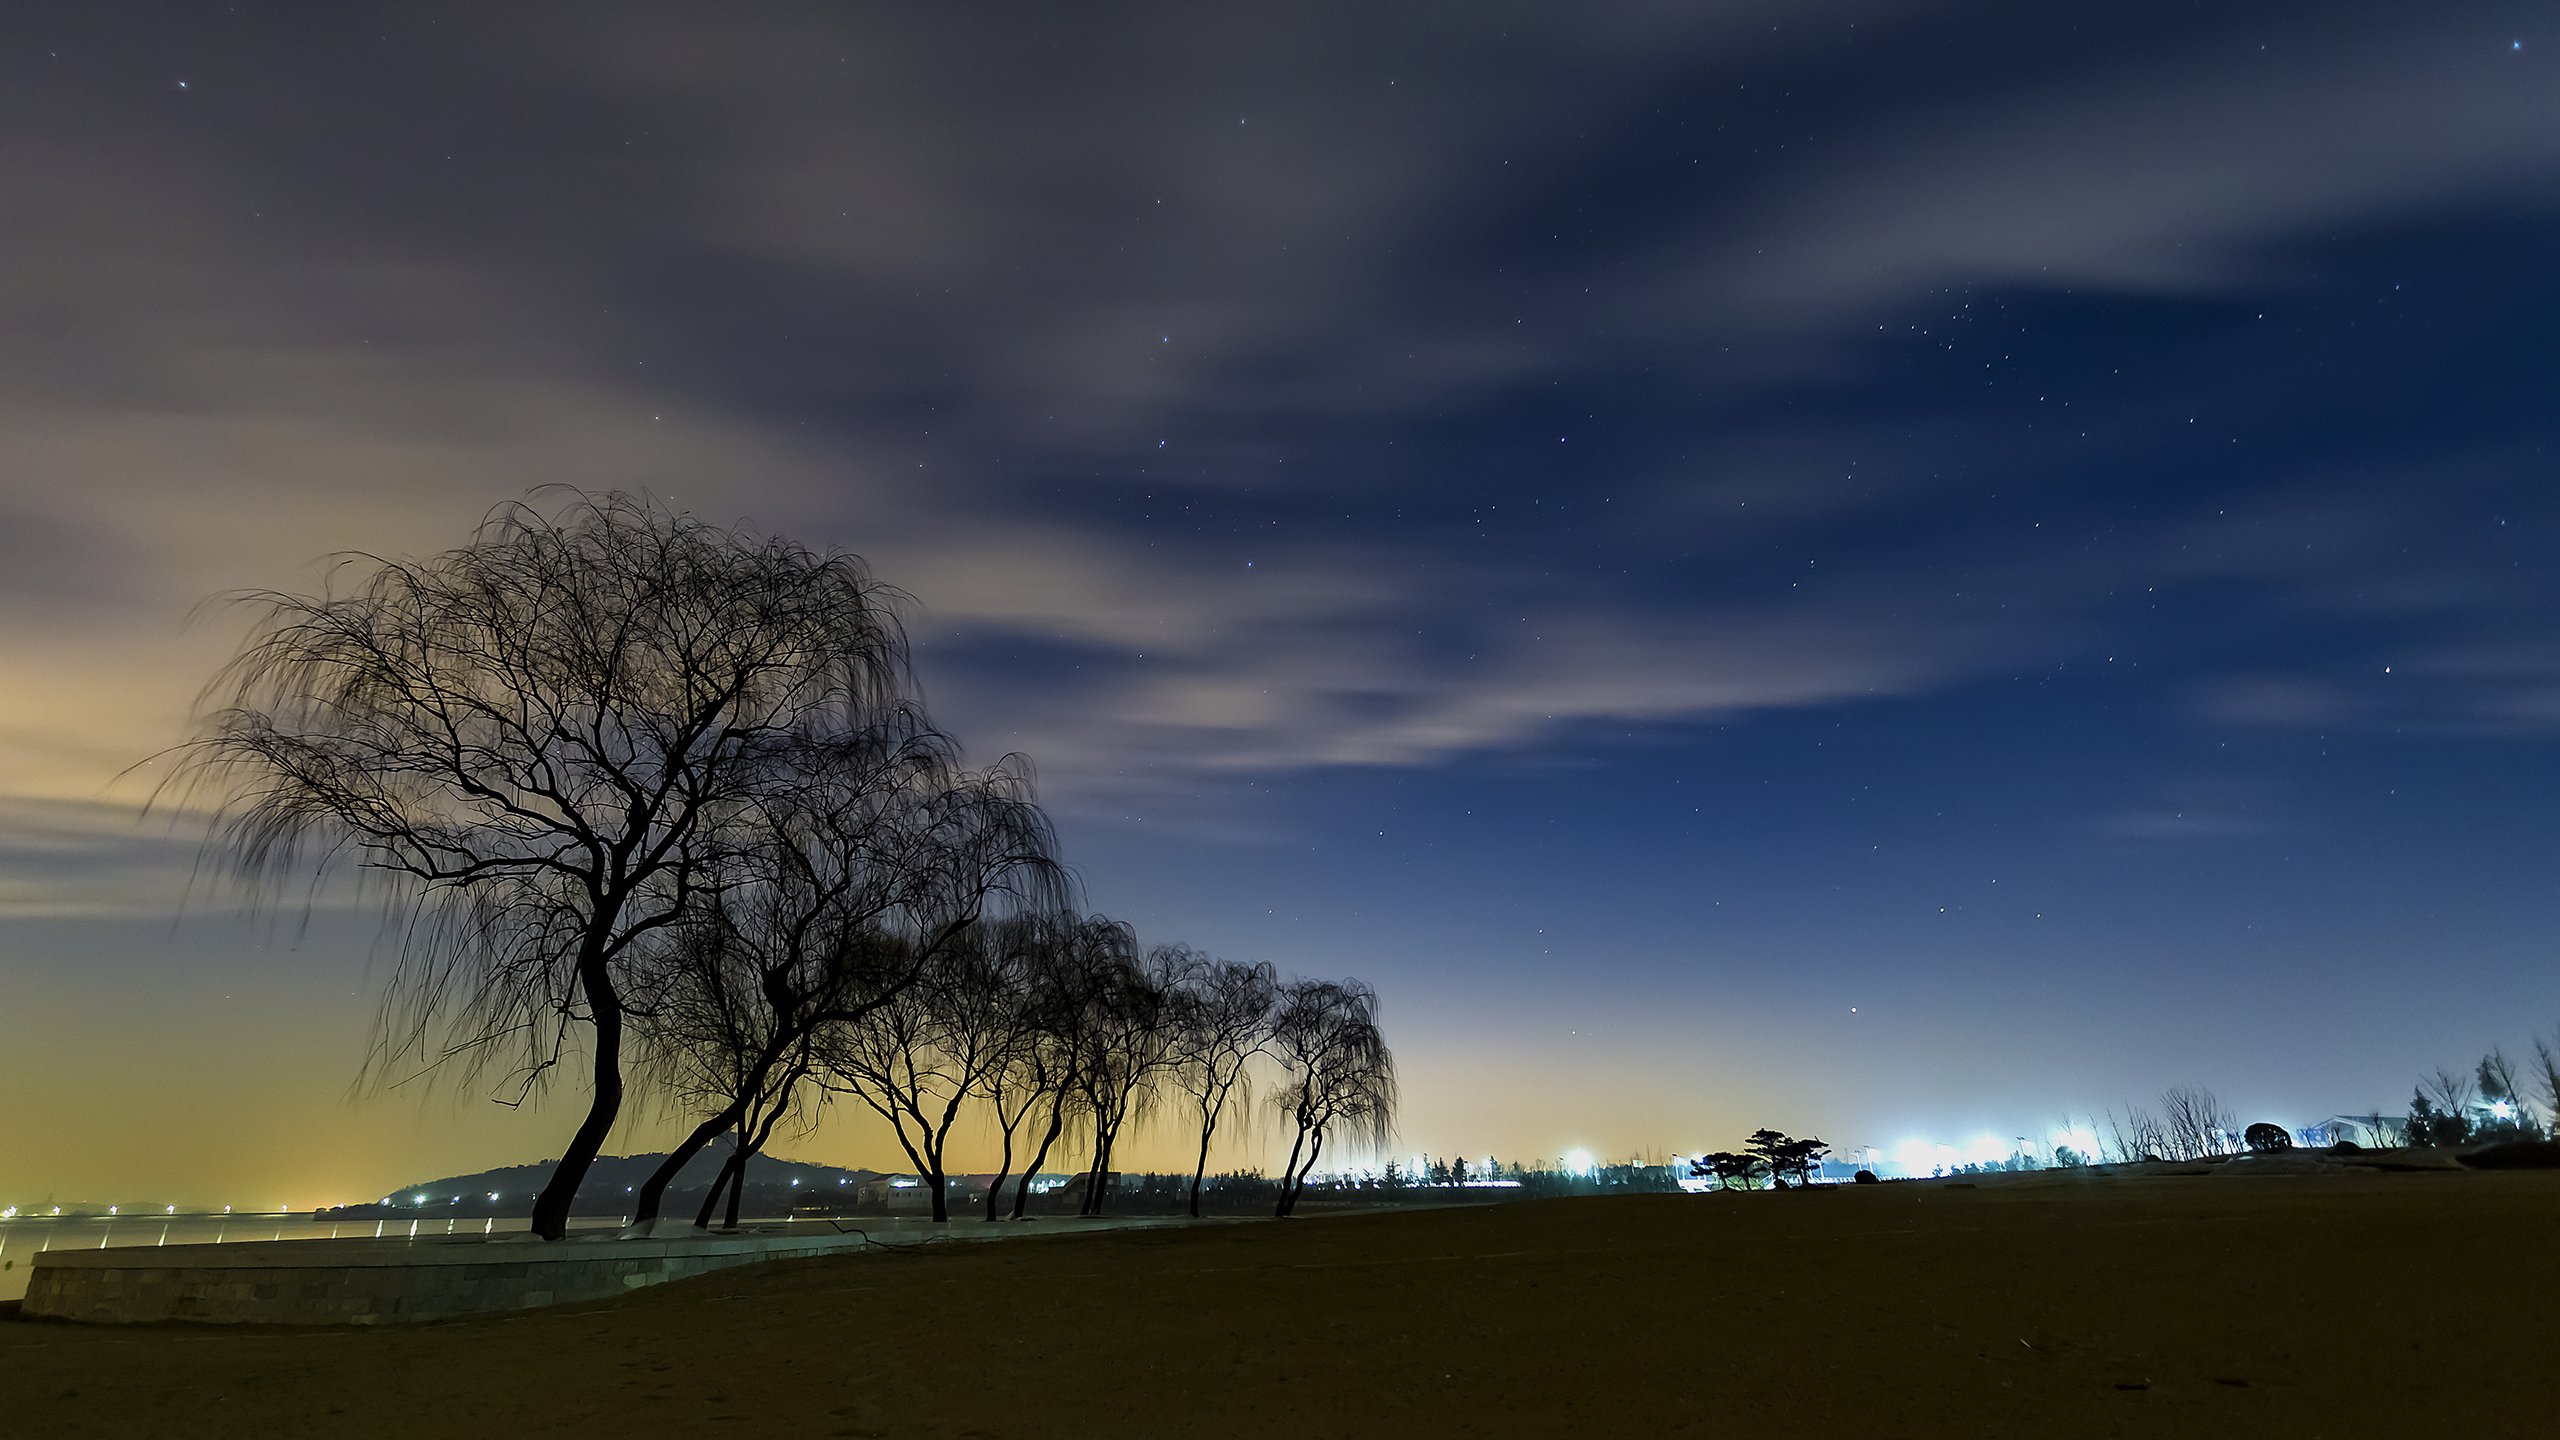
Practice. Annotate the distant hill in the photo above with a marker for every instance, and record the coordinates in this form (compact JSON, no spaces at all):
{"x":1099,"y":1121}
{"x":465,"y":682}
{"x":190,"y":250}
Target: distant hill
{"x":772,"y":1185}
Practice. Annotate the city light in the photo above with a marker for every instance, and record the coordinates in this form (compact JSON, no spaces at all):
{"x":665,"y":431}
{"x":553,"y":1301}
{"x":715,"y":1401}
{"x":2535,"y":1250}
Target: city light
{"x":1579,"y":1162}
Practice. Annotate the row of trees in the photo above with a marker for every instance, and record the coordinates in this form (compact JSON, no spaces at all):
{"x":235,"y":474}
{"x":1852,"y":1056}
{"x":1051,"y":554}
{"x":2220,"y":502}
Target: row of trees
{"x":1048,"y":1026}
{"x":656,"y":803}
{"x":2496,"y":1100}
{"x":1431,"y":1180}
{"x":1396,"y":1182}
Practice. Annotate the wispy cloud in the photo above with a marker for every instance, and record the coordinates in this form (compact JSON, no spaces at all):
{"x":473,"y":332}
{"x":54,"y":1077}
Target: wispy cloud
{"x":1064,"y":330}
{"x":2204,"y":809}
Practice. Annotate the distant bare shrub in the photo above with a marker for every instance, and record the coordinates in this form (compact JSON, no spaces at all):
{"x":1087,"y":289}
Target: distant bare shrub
{"x":2197,"y":1124}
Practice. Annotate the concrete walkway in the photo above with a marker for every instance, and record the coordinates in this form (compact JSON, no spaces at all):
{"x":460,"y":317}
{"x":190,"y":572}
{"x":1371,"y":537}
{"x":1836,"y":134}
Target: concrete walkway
{"x":370,"y":1282}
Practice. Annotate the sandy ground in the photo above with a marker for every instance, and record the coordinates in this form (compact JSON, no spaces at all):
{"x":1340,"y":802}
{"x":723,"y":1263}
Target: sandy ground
{"x":2369,"y":1305}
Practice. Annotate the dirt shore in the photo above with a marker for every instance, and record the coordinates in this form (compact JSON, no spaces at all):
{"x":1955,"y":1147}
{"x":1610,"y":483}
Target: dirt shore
{"x":2306,"y":1306}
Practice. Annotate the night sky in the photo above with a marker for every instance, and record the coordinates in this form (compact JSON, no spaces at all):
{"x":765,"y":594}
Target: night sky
{"x":1886,"y":569}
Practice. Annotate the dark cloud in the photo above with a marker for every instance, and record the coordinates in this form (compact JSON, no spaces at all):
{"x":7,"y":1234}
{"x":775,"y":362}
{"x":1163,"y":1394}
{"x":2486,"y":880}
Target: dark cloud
{"x":1042,"y":290}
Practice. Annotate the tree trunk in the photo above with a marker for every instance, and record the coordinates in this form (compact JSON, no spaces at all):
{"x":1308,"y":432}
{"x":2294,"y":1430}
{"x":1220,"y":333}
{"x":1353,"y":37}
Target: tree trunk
{"x":731,"y":1171}
{"x":1201,"y":1169}
{"x":1004,"y":1167}
{"x":1289,"y":1172}
{"x":654,"y":1189}
{"x":1103,"y":1143}
{"x":941,"y":1187}
{"x":1298,"y":1186}
{"x":748,"y":1149}
{"x":551,"y":1207}
{"x":1057,"y":1125}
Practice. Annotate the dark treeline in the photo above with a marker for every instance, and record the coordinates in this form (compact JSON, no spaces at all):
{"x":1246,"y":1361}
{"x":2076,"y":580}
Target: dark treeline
{"x":2500,"y":1101}
{"x":1251,"y":1192}
{"x":660,"y":816}
{"x":2494,"y":1102}
{"x":2497,"y":1101}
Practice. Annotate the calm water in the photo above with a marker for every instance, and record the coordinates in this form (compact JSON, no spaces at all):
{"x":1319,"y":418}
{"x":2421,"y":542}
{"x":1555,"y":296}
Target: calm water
{"x":24,"y":1237}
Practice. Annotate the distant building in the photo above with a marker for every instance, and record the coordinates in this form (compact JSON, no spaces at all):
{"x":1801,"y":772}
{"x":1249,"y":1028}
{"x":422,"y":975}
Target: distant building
{"x":2371,"y":1132}
{"x":905,"y":1194}
{"x":899,"y":1194}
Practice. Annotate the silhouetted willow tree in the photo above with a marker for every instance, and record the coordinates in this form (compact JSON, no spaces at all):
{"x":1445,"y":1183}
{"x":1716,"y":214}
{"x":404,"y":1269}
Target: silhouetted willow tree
{"x":856,"y":874}
{"x":543,"y":738}
{"x":1074,"y":961}
{"x":1132,"y":1026}
{"x":918,"y":1056}
{"x":1021,"y":1021}
{"x":1338,"y":1077}
{"x":1223,"y":1015}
